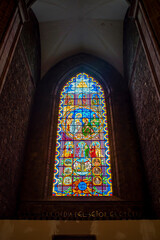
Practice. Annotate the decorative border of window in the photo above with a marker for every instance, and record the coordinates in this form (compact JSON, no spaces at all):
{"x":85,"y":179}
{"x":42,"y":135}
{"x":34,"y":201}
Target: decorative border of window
{"x":82,"y":158}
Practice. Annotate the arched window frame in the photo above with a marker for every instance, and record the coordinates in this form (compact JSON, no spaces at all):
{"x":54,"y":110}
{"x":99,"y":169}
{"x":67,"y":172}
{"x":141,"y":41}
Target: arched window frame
{"x":53,"y":133}
{"x":36,"y":195}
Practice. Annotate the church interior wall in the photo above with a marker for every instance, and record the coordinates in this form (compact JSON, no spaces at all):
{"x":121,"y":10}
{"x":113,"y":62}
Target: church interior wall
{"x":146,"y":108}
{"x":15,"y":107}
{"x":113,"y":230}
{"x":8,"y":8}
{"x":38,"y":156}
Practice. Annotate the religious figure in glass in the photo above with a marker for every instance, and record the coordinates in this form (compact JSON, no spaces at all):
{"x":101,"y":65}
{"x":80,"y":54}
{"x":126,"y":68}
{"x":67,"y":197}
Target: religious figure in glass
{"x":82,"y":159}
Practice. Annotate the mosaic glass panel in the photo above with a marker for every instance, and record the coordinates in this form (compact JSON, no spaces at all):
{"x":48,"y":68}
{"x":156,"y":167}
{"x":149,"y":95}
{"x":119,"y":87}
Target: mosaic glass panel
{"x":82,"y":158}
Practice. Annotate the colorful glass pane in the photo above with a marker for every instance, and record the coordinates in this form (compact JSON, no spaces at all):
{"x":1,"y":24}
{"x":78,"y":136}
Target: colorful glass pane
{"x":82,"y":159}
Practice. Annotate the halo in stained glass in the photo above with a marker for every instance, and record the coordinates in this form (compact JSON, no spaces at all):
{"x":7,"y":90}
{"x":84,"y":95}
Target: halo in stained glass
{"x":82,"y":159}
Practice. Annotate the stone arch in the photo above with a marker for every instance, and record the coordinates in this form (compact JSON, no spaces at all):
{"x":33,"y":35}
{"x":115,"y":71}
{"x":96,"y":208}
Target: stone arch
{"x":125,"y":155}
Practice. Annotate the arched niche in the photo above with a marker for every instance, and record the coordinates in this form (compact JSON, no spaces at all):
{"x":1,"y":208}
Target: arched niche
{"x":127,"y":174}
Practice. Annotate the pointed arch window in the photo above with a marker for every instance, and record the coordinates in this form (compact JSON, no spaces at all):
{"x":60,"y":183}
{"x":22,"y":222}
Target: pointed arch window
{"x":82,"y":158}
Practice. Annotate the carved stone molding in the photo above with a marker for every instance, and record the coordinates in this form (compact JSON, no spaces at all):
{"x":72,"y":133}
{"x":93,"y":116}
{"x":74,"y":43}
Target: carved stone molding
{"x":75,"y":211}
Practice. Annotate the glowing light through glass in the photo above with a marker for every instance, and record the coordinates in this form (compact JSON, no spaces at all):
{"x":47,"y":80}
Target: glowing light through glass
{"x":82,"y":158}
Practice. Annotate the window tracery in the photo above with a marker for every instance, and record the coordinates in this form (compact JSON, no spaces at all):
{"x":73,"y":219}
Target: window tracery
{"x":82,"y":159}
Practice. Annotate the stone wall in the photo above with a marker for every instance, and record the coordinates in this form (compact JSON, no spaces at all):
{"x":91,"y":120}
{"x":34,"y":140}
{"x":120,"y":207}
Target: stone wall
{"x":99,"y":230}
{"x":15,"y":106}
{"x":37,"y":201}
{"x":147,"y":110}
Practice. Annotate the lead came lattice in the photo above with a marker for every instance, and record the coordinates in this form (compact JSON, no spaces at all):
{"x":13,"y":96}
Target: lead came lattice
{"x":82,"y":159}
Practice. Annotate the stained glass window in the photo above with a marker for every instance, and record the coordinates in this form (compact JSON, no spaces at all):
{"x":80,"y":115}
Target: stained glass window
{"x":82,"y":158}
